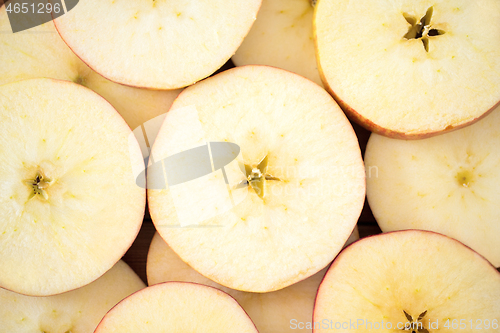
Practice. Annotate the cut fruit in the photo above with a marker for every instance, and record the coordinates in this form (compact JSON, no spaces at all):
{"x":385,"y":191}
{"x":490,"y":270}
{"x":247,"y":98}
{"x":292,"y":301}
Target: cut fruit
{"x":69,"y":204}
{"x":411,"y":68}
{"x":271,"y":312}
{"x":77,"y":311}
{"x":157,"y":44}
{"x":288,"y":201}
{"x":282,"y":36}
{"x":40,"y":52}
{"x":177,"y":307}
{"x":413,"y":281}
{"x":448,"y":184}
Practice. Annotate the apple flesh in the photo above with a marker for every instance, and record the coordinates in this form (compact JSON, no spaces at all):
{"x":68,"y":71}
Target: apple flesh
{"x":40,"y":52}
{"x":298,"y":183}
{"x":77,"y":311}
{"x":271,"y":312}
{"x":157,"y":44}
{"x":69,"y":204}
{"x":415,"y":278}
{"x":177,"y":307}
{"x":410,"y":69}
{"x":282,"y":36}
{"x":447,"y":184}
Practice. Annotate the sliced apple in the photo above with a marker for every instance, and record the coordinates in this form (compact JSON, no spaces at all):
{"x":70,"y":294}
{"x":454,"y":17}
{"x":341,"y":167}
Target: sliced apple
{"x":177,"y":307}
{"x":77,"y":311}
{"x":282,"y":36}
{"x":447,"y":184}
{"x":69,"y":204}
{"x":291,"y":197}
{"x":40,"y":52}
{"x":271,"y":312}
{"x":415,"y":281}
{"x":411,"y":68}
{"x":157,"y":44}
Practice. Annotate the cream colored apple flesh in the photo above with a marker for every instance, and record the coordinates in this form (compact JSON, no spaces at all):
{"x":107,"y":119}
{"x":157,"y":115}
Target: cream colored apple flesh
{"x":77,"y":311}
{"x":447,"y":184}
{"x":157,"y":44}
{"x":40,"y":52}
{"x":410,"y":69}
{"x":69,"y":204}
{"x":418,"y":280}
{"x":297,"y":185}
{"x":271,"y":312}
{"x":282,"y":36}
{"x":177,"y":307}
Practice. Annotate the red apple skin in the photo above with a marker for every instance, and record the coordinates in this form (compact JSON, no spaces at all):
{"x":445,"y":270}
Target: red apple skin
{"x":370,"y":125}
{"x":170,"y":282}
{"x":335,"y":261}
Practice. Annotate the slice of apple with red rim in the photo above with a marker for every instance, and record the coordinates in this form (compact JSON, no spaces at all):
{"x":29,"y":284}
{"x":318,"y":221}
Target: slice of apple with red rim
{"x":288,"y":202}
{"x":69,"y":203}
{"x":177,"y":307}
{"x":410,"y":69}
{"x":157,"y":44}
{"x":410,"y":280}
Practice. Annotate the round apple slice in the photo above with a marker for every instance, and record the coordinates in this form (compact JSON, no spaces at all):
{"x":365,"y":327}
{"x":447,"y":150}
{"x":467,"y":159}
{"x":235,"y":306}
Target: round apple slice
{"x":414,"y":281}
{"x":40,"y":52}
{"x":77,"y":311}
{"x":282,"y":36}
{"x":69,"y":203}
{"x":157,"y":44}
{"x":448,"y":184}
{"x":411,"y":68}
{"x":177,"y":307}
{"x":265,"y":178}
{"x":271,"y":312}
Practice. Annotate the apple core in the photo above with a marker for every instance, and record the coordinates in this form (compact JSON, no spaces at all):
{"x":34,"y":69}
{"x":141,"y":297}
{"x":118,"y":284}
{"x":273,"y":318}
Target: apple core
{"x":39,"y":185}
{"x":464,"y":178}
{"x":422,"y":29}
{"x":257,"y":176}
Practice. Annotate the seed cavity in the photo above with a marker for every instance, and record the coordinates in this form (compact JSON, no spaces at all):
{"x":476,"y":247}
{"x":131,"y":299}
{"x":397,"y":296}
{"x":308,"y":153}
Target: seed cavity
{"x":422,"y":29}
{"x":257,"y":176}
{"x":39,"y":185}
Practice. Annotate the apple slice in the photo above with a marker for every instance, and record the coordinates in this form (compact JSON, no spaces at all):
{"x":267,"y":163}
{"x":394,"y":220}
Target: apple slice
{"x":448,"y":184}
{"x":77,"y":311}
{"x":271,"y":312}
{"x":288,"y":201}
{"x":282,"y":36}
{"x":159,"y":44}
{"x":411,"y":68}
{"x":177,"y":307}
{"x":415,"y":281}
{"x":69,"y":204}
{"x":40,"y":52}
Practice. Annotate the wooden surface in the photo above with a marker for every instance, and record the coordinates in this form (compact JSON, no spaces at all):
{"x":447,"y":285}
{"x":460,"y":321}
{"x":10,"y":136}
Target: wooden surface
{"x":137,"y":254}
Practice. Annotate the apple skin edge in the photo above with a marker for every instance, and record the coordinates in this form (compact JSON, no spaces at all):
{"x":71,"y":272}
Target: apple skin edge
{"x":172,"y":87}
{"x":103,"y":320}
{"x":352,"y":129}
{"x":127,"y":128}
{"x":347,"y":248}
{"x":371,"y":126}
